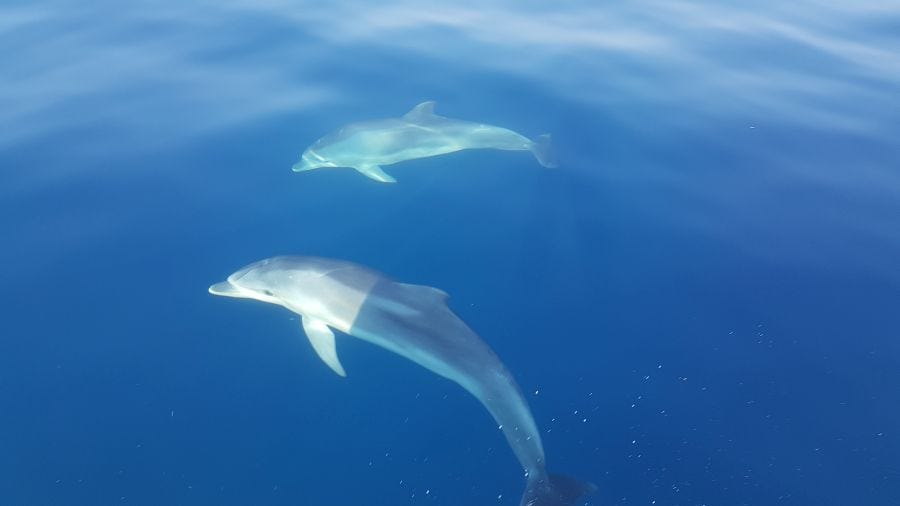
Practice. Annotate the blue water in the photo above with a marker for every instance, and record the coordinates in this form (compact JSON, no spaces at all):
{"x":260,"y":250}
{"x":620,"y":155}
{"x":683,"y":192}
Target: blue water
{"x":702,"y":303}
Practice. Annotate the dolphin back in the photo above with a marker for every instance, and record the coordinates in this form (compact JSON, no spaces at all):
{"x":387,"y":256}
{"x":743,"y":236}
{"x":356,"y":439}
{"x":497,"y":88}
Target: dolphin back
{"x":555,"y":490}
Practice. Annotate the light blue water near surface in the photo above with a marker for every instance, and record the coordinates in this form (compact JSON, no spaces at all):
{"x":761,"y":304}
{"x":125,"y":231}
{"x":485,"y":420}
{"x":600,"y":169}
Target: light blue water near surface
{"x":702,"y":303}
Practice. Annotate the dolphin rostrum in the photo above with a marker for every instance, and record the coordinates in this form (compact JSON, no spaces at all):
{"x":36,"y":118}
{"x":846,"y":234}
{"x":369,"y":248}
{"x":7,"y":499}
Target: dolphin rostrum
{"x":414,"y":322}
{"x":420,"y":133}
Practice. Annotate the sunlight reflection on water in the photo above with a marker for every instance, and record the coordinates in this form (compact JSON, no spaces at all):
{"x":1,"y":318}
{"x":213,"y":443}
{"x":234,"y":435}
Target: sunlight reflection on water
{"x":173,"y":69}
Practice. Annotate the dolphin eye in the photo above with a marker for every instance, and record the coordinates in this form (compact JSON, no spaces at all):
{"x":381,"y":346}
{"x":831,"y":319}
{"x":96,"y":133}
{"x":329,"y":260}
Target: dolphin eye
{"x":268,"y":293}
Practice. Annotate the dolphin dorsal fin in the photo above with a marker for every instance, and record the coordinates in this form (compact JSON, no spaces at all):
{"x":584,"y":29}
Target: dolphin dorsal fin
{"x":426,"y":291}
{"x":322,"y":339}
{"x":421,"y":113}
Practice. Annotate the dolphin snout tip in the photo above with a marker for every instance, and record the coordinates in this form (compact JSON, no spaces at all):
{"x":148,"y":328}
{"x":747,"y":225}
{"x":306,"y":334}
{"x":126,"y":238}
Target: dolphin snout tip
{"x":225,"y":289}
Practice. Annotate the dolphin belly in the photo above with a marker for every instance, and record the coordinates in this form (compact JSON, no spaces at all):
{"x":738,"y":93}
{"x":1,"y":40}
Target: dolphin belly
{"x":391,"y":144}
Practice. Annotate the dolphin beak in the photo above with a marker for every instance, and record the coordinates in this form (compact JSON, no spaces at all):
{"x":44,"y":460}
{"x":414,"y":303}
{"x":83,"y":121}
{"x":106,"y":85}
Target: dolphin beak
{"x":304,"y":164}
{"x":226,"y":289}
{"x":310,"y":160}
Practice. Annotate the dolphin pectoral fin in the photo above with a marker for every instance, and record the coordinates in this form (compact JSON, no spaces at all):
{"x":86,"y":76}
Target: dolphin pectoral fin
{"x":375,"y":172}
{"x":421,"y":113}
{"x":322,"y":339}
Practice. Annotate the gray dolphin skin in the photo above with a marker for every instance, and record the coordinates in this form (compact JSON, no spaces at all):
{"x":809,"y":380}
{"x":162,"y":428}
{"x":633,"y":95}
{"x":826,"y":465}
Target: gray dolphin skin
{"x":420,"y":133}
{"x":412,"y":321}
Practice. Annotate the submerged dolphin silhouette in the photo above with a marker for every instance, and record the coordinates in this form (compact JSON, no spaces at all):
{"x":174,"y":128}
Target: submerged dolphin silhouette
{"x":414,"y":322}
{"x":420,"y":133}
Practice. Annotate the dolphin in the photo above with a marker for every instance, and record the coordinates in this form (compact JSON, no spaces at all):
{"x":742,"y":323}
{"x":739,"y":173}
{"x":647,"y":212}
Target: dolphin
{"x":420,"y":133}
{"x":412,"y":321}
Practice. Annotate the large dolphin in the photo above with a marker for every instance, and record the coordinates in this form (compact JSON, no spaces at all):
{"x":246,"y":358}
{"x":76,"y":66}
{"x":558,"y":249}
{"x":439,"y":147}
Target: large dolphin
{"x":414,"y":322}
{"x":420,"y":133}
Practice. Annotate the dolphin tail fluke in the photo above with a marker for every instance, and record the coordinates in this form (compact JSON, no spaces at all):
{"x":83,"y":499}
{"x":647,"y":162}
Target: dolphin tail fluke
{"x":542,"y":150}
{"x":559,"y":491}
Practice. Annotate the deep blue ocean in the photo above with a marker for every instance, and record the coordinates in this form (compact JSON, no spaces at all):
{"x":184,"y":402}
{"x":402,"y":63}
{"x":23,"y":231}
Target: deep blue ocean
{"x":702,"y":303}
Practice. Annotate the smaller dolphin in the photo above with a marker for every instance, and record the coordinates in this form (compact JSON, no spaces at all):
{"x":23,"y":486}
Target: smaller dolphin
{"x":420,"y":133}
{"x":414,"y":322}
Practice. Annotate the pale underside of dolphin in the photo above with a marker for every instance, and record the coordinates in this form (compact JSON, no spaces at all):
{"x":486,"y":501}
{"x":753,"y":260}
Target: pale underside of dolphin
{"x":420,"y":133}
{"x":412,"y":321}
